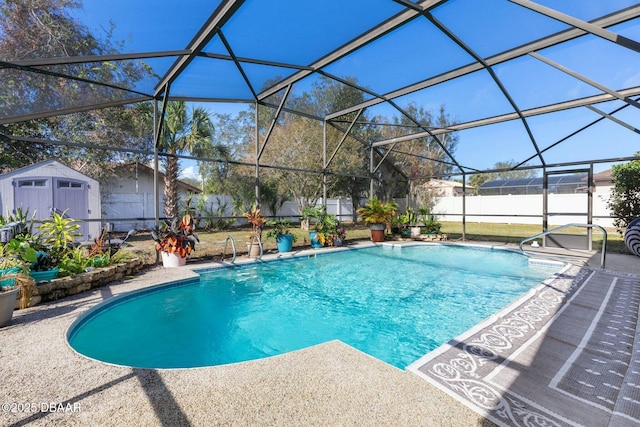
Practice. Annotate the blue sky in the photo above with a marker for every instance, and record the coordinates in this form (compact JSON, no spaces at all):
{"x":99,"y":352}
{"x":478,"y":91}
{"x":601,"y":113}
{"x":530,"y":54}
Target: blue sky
{"x":412,"y":53}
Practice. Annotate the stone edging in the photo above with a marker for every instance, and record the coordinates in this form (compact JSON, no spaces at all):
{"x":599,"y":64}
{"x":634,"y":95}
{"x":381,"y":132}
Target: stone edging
{"x":71,"y":285}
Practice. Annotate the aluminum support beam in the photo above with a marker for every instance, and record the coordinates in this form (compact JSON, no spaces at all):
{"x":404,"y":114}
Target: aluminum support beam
{"x":614,"y":119}
{"x":375,"y":33}
{"x":66,"y":60}
{"x":327,"y":162}
{"x":614,"y":19}
{"x":577,"y":23}
{"x":513,"y":116}
{"x":493,"y":75}
{"x":218,"y":18}
{"x":585,"y":79}
{"x":271,"y":126}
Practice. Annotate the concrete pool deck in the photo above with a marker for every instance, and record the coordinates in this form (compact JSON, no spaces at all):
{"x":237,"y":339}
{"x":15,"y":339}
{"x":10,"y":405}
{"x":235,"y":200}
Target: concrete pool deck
{"x":44,"y":382}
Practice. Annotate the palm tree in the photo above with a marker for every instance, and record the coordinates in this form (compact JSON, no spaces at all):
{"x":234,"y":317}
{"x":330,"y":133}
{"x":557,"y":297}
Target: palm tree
{"x":183,"y":131}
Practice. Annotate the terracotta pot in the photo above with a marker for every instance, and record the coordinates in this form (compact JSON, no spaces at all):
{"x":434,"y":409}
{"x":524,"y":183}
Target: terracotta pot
{"x":377,"y":232}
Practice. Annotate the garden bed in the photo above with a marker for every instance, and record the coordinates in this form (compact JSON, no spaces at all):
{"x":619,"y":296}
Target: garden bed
{"x":71,"y":285}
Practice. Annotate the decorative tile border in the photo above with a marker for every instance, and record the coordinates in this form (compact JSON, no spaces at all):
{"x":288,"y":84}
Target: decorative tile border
{"x":464,"y":367}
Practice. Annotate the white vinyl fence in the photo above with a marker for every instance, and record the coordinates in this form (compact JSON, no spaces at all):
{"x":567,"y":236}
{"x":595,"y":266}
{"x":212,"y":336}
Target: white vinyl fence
{"x":523,"y":209}
{"x":510,"y":209}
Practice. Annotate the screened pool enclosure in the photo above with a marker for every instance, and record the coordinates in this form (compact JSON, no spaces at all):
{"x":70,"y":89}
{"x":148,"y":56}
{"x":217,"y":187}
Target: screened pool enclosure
{"x":548,"y":85}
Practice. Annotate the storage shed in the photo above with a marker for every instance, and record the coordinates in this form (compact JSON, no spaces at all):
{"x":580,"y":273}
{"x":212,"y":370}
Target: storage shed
{"x":49,"y":185}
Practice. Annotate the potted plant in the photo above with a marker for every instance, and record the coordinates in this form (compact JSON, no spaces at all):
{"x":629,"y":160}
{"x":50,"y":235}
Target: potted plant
{"x":327,"y":228}
{"x":281,"y":232}
{"x":432,"y":226}
{"x":340,"y":236}
{"x":308,"y":215}
{"x":17,"y":280}
{"x":377,"y":214}
{"x":257,"y":221}
{"x":422,"y":217}
{"x":175,"y":240}
{"x":42,"y":267}
{"x":10,"y":266}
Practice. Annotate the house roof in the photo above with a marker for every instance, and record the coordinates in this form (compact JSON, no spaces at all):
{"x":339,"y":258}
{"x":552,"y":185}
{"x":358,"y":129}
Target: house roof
{"x":442,"y":183}
{"x":603,"y":176}
{"x":39,"y":165}
{"x":142,"y":168}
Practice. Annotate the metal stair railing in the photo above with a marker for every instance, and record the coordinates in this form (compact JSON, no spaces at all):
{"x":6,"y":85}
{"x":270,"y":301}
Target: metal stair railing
{"x":545,"y":233}
{"x":233,"y":247}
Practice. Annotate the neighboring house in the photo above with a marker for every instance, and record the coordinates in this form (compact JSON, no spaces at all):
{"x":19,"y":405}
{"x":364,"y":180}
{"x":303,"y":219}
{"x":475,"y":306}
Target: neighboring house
{"x":127,"y":199}
{"x":49,"y":185}
{"x":603,"y":181}
{"x":442,"y":188}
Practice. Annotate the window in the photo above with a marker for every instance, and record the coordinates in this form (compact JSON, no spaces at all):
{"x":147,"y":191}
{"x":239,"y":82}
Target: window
{"x":32,"y":183}
{"x":69,"y":184}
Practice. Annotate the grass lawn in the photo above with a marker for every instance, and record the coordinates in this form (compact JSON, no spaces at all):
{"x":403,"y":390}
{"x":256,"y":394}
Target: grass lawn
{"x":212,"y":243}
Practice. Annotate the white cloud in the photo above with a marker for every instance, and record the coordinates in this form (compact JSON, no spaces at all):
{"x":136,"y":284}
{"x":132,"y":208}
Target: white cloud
{"x":189,"y":172}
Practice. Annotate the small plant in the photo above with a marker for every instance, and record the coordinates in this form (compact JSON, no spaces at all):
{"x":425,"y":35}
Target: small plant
{"x":74,"y":262}
{"x":432,"y":226}
{"x":257,"y":221}
{"x":60,"y":230}
{"x":279,"y":227}
{"x":310,"y":214}
{"x":408,"y":218}
{"x":41,"y":262}
{"x":174,"y":237}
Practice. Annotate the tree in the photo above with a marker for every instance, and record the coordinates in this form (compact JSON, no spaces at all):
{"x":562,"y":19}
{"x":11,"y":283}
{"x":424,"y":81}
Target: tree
{"x":624,"y":201}
{"x":297,"y":144}
{"x":231,"y":135}
{"x":35,"y":29}
{"x":183,"y":131}
{"x":420,"y":158}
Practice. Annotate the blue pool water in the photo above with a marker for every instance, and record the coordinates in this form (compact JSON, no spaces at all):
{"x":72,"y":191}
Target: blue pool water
{"x":394,"y":304}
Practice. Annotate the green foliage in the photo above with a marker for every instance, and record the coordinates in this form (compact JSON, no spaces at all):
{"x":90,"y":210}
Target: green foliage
{"x":432,"y":225}
{"x":311,"y":213}
{"x":213,"y":218}
{"x":119,"y":257}
{"x":10,"y":258}
{"x":326,"y":224}
{"x":59,"y":231}
{"x":184,"y":130}
{"x":624,"y":201}
{"x":377,"y":212}
{"x":409,"y":217}
{"x":48,"y":29}
{"x":279,"y":227}
{"x":73,"y":262}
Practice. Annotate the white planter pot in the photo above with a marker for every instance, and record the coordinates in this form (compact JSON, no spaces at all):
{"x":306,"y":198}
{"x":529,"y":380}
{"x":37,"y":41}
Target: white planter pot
{"x":172,"y":260}
{"x":415,"y":231}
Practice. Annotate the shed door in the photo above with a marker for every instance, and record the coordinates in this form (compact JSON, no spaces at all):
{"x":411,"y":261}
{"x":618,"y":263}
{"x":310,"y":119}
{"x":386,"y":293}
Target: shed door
{"x":72,"y":196}
{"x":34,"y":194}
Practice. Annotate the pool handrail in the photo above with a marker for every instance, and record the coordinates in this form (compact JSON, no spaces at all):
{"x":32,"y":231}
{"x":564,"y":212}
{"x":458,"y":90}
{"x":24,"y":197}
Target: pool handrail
{"x":544,"y":233}
{"x":233,"y":246}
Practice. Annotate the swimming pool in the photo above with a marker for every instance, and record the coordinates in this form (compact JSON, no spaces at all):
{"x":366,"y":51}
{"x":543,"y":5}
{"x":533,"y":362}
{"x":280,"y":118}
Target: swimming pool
{"x":394,"y":304}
